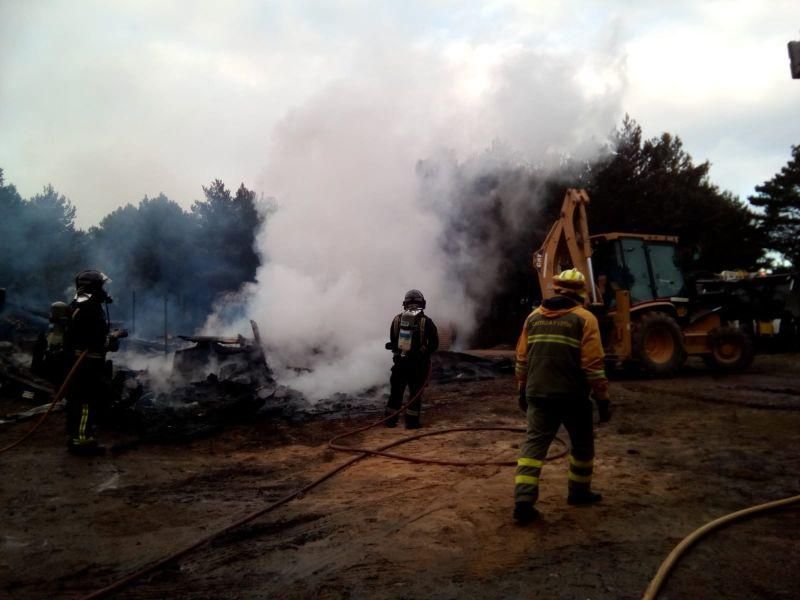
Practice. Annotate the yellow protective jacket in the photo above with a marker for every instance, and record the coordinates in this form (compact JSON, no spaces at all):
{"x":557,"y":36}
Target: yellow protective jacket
{"x":560,"y":352}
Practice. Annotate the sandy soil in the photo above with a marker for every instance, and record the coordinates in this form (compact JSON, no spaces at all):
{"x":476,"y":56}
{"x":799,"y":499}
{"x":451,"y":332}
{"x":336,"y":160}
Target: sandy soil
{"x":678,"y":453}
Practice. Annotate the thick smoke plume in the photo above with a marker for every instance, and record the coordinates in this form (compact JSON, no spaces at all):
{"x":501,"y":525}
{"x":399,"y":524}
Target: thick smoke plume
{"x":368,"y":178}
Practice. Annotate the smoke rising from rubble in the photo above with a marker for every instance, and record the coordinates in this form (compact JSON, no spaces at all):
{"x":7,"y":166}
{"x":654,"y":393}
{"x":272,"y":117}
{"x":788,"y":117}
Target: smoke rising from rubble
{"x":366,"y":178}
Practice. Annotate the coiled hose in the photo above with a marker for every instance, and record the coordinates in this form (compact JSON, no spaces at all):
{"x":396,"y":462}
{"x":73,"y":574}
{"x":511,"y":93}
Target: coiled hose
{"x":362,"y":453}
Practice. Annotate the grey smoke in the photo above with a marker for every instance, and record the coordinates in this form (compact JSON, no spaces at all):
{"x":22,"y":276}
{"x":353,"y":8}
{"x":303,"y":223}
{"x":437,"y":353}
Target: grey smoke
{"x":366,"y":177}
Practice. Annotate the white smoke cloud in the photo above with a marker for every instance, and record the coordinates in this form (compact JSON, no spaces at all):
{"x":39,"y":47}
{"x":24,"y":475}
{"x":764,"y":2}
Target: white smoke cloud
{"x":353,"y":230}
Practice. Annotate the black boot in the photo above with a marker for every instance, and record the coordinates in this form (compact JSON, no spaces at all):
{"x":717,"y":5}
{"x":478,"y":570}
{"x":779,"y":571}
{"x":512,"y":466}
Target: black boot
{"x":412,"y":422}
{"x":525,"y":512}
{"x":86,"y":449}
{"x":583,"y":498}
{"x":392,"y":422}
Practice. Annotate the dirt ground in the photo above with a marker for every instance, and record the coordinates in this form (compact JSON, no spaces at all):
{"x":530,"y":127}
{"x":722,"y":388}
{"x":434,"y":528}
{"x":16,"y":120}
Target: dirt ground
{"x":678,"y":453}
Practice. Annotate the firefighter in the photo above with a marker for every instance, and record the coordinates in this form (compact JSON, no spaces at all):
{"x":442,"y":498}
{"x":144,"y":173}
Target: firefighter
{"x":88,"y":329}
{"x":412,"y":339}
{"x":57,"y":358}
{"x":559,"y":363}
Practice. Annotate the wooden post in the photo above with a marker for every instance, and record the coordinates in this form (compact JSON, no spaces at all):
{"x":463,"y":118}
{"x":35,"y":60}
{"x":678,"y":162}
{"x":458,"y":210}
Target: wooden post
{"x":166,"y":350}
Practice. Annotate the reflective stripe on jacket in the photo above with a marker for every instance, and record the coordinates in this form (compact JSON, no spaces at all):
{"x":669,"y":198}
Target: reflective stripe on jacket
{"x":559,"y":351}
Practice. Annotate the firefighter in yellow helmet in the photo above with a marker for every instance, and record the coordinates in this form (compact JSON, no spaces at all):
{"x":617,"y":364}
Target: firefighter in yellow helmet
{"x":560,"y":362}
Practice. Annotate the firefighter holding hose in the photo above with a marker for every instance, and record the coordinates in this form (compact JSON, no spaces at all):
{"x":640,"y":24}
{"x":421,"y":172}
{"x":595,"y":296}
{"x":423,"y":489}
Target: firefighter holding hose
{"x":88,"y":330}
{"x":412,"y":339}
{"x":559,"y":363}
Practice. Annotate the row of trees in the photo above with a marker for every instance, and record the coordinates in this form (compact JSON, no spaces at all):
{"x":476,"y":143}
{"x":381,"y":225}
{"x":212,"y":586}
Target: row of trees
{"x":638,"y":186}
{"x":155,"y":250}
{"x":38,"y":242}
{"x":190,"y":257}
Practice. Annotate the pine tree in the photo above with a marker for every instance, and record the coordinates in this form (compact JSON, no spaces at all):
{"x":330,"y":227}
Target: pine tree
{"x":780,"y":199}
{"x":653,"y":186}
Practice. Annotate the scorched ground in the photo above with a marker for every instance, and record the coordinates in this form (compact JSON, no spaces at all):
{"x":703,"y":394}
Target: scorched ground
{"x":678,"y":453}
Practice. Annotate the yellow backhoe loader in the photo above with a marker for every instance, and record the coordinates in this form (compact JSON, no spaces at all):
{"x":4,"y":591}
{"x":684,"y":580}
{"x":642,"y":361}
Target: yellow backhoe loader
{"x":637,"y":290}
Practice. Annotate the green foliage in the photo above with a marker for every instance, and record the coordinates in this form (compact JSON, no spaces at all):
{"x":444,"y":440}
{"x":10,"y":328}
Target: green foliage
{"x":11,"y":207}
{"x":638,"y":186}
{"x":227,"y":225}
{"x":159,"y":251}
{"x":38,"y":242}
{"x":155,"y":250}
{"x":653,"y":186}
{"x":148,"y":247}
{"x":780,"y":199}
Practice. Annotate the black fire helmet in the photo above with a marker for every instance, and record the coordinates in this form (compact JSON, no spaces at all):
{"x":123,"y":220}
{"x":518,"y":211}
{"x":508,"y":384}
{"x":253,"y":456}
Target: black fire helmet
{"x":90,"y":281}
{"x":414,"y":297}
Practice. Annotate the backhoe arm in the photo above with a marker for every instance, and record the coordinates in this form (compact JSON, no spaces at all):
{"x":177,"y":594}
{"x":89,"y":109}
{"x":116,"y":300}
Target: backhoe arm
{"x":567,"y":245}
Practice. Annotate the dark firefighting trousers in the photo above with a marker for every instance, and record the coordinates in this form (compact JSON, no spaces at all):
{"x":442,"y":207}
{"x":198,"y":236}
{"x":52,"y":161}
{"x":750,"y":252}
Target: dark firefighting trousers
{"x":83,"y":399}
{"x":545,"y":416}
{"x":411,"y":373}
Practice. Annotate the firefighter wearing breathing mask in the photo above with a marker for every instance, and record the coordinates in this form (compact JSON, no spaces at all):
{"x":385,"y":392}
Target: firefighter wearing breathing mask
{"x":88,"y":330}
{"x":559,"y":363}
{"x":412,"y":339}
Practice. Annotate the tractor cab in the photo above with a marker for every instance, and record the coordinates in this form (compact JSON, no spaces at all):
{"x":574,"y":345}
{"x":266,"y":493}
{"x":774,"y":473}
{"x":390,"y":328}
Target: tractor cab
{"x":644,"y":265}
{"x":646,"y":311}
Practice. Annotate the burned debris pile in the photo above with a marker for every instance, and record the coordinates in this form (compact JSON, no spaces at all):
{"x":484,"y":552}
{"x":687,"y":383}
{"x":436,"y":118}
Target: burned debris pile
{"x":221,"y":381}
{"x":212,"y":382}
{"x":202,"y":384}
{"x":458,"y":366}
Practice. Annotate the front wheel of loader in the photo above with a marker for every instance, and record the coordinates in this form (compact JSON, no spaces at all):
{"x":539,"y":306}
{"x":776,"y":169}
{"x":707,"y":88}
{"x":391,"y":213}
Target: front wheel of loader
{"x":658,"y":344}
{"x":731,"y":349}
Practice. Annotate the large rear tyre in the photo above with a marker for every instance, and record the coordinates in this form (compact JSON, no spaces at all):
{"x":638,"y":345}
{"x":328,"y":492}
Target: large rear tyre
{"x":731,"y":349}
{"x":658,"y":344}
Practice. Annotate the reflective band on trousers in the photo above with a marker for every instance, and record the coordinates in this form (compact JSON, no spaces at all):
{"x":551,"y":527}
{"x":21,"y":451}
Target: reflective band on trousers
{"x":526,"y":480}
{"x":580,"y":463}
{"x":551,"y":338}
{"x":82,"y":426}
{"x":90,"y":354}
{"x":580,"y":478}
{"x":600,"y":374}
{"x":529,"y":462}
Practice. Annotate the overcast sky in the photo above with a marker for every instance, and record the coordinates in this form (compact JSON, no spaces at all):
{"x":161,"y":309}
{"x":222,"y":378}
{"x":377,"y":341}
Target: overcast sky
{"x":111,"y":101}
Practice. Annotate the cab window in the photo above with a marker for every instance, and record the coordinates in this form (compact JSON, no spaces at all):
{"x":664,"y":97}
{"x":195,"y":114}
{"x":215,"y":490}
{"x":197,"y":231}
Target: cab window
{"x":667,"y":276}
{"x":636,"y":271}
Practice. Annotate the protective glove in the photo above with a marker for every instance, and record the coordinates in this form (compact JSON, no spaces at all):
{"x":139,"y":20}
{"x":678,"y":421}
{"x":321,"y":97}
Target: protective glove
{"x":112,"y":343}
{"x":523,"y":401}
{"x":603,"y":409}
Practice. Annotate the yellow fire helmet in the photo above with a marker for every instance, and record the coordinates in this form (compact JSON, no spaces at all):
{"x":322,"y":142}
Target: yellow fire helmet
{"x":570,"y":281}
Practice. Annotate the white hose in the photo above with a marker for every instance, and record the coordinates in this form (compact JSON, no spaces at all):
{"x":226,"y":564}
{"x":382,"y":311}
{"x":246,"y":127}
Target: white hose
{"x":665,"y":568}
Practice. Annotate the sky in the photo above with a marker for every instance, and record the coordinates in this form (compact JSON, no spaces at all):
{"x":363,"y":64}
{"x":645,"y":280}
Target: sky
{"x":112,"y":101}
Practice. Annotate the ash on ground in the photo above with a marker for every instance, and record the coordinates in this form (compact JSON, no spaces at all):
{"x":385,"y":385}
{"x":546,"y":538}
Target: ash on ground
{"x":191,"y":386}
{"x":219,"y":381}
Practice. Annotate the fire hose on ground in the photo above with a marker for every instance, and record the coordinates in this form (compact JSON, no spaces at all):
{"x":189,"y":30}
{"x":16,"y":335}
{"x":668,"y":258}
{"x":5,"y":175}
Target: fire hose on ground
{"x":672,"y":559}
{"x":362,"y":453}
{"x":56,"y":398}
{"x":651,"y":593}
